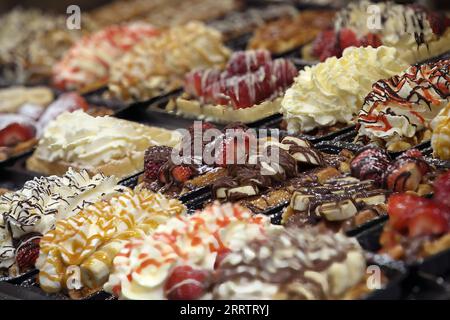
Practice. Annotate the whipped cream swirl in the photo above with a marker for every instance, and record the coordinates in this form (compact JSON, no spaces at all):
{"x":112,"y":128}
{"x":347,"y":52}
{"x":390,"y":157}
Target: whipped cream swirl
{"x":404,"y":105}
{"x":142,"y":268}
{"x":334,"y":90}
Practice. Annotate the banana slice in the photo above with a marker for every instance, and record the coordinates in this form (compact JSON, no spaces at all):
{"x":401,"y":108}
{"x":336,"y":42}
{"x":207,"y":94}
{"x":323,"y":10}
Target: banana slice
{"x":337,"y":211}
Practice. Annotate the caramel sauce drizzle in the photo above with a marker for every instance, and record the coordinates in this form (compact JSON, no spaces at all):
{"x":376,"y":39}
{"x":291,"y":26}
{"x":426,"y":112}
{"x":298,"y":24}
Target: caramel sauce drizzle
{"x":127,"y":216}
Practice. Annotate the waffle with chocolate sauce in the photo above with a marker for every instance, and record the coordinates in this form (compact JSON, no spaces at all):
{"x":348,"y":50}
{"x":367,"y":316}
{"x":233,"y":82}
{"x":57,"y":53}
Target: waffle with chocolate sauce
{"x":173,"y":172}
{"x":266,"y":185}
{"x":340,"y":203}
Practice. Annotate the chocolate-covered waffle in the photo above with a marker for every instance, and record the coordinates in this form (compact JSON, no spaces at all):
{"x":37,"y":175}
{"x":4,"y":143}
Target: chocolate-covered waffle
{"x":340,"y":203}
{"x":267,"y":184}
{"x":177,"y":171}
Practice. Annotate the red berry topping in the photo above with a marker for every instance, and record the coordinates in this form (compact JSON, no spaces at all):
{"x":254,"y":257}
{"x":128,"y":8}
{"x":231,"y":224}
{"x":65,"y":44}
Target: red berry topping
{"x":27,"y":254}
{"x":370,"y":164}
{"x":417,"y":216}
{"x":438,"y":22}
{"x":246,"y":61}
{"x":372,"y":40}
{"x":326,"y":45}
{"x":69,"y":102}
{"x":251,"y":78}
{"x":182,"y":173}
{"x":347,"y":38}
{"x":15,"y":133}
{"x":232,"y":147}
{"x":154,"y":158}
{"x":185,"y":283}
{"x":442,"y":189}
{"x":428,"y":219}
{"x":401,"y":209}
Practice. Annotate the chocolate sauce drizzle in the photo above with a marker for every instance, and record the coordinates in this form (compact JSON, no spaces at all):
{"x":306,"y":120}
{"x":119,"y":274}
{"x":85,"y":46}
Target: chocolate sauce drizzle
{"x":284,"y":267}
{"x":429,"y":83}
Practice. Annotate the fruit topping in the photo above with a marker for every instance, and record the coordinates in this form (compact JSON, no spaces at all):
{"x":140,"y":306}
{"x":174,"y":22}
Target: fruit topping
{"x":27,"y":253}
{"x":370,"y":164}
{"x":186,"y":283}
{"x":415,"y":216}
{"x":15,"y":132}
{"x":442,"y":189}
{"x":154,"y":158}
{"x":182,"y":174}
{"x":330,"y":43}
{"x":250,"y":78}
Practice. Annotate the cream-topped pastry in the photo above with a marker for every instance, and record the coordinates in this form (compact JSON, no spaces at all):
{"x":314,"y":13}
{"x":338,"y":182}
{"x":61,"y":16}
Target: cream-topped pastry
{"x":399,"y":24}
{"x":34,"y":209}
{"x":80,"y":251}
{"x":144,"y":269}
{"x":415,"y":31}
{"x":158,"y":65}
{"x":399,"y":108}
{"x":98,"y":144}
{"x":306,"y":264}
{"x":86,"y":65}
{"x":333,"y":91}
{"x":440,"y":140}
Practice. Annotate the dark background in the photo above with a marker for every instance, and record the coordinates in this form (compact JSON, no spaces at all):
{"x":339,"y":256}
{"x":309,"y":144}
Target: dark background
{"x":60,"y":6}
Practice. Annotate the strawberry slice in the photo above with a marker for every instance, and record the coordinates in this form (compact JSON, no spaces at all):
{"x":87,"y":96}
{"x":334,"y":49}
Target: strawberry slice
{"x":246,"y":61}
{"x":325,"y":45}
{"x":428,"y":219}
{"x":438,"y":22}
{"x":15,"y":133}
{"x":442,"y":189}
{"x":284,"y":72}
{"x":240,"y":90}
{"x":401,"y":208}
{"x":197,"y":81}
{"x":186,"y":283}
{"x":182,"y":173}
{"x":27,"y":254}
{"x":347,"y":38}
{"x":371,"y":39}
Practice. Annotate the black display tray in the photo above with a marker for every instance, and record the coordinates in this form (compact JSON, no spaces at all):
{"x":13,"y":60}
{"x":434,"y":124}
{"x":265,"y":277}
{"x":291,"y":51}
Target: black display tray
{"x":29,"y":289}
